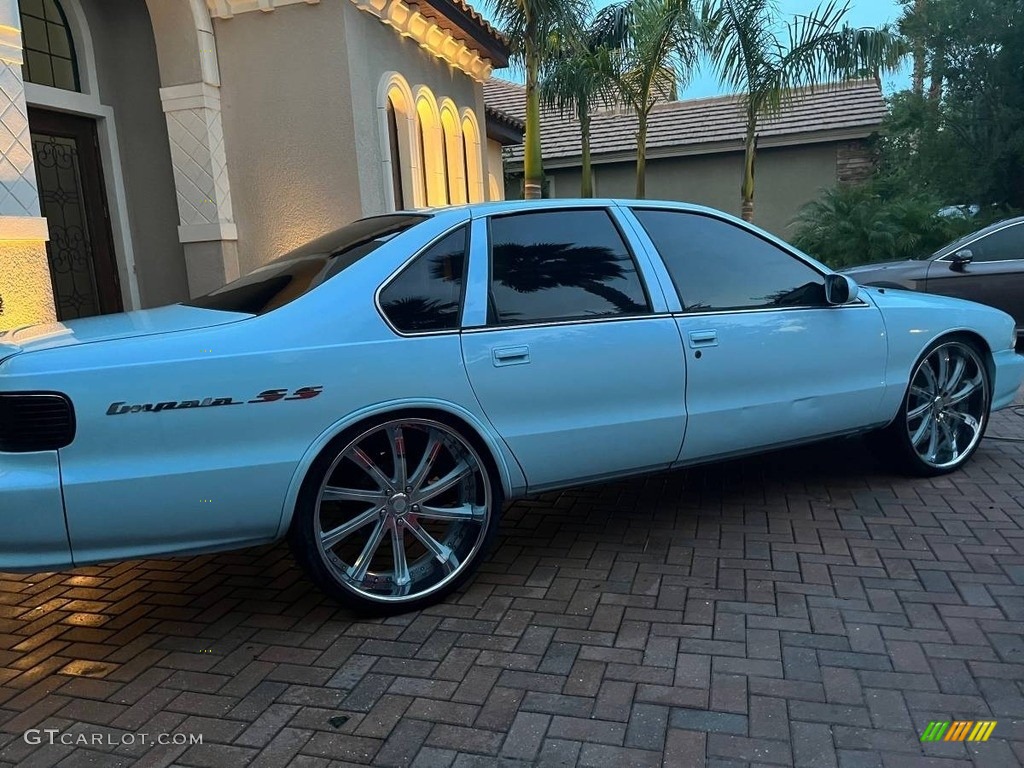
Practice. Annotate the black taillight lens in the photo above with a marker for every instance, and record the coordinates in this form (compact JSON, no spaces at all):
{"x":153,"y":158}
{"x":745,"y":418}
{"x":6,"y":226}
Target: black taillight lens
{"x":35,"y":421}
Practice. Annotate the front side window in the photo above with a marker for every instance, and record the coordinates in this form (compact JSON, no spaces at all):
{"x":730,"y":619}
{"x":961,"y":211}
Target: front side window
{"x":427,"y":294}
{"x":561,"y":265}
{"x":716,"y":265}
{"x":1004,"y":245}
{"x":300,"y":271}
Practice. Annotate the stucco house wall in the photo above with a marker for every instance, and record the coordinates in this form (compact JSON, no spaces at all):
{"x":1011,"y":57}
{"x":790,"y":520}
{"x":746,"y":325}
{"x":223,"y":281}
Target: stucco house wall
{"x":786,"y":178}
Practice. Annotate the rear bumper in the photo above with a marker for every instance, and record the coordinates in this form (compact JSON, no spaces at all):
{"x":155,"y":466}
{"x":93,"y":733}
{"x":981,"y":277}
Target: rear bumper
{"x":32,"y":513}
{"x":1009,"y":367}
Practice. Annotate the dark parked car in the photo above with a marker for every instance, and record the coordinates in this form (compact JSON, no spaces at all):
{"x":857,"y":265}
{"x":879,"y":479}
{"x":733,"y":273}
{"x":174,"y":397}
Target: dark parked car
{"x":986,"y":266}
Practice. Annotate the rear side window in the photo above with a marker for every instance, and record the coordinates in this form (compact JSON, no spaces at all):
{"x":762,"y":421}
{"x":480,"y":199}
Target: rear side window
{"x":427,"y":294}
{"x":717,"y":266}
{"x":561,"y":265}
{"x":296,"y":273}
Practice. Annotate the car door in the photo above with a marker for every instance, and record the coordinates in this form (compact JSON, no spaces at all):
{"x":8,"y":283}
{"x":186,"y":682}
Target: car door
{"x":995,"y":275}
{"x":768,"y":361}
{"x":572,"y":354}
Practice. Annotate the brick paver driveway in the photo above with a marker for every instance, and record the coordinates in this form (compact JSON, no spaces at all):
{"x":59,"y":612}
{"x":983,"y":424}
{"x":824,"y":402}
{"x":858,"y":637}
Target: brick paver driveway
{"x":804,"y":608}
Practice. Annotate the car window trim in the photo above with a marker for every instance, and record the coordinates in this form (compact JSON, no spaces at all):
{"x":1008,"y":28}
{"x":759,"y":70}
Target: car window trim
{"x":607,"y":210}
{"x":749,"y":230}
{"x":570,"y":321}
{"x":409,"y":262}
{"x":943,"y":258}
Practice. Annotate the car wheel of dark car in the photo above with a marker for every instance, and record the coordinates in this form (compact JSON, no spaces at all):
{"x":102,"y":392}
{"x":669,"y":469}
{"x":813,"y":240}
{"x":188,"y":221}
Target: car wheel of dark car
{"x":944,"y":412}
{"x":397,"y":514}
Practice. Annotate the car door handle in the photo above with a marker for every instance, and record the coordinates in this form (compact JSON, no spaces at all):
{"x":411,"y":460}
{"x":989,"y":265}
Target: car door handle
{"x":510,"y":355}
{"x":705,"y":338}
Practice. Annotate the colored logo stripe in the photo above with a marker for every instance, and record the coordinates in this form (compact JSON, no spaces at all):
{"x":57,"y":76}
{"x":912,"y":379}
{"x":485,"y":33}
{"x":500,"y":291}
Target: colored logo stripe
{"x":958,"y":730}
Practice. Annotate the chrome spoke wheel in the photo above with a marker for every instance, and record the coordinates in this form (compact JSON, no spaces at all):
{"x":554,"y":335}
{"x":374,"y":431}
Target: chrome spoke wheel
{"x":947,"y":405}
{"x":403,"y":510}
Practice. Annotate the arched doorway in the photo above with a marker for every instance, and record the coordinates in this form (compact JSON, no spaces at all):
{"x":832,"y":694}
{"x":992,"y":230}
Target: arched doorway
{"x":69,"y":168}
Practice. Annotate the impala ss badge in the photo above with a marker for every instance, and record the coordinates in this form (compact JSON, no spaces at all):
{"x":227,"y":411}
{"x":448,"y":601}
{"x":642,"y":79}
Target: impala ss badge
{"x":267,"y":396}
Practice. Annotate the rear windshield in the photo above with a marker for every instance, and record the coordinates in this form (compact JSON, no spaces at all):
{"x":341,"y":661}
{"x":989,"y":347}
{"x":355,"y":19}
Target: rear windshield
{"x":296,"y":273}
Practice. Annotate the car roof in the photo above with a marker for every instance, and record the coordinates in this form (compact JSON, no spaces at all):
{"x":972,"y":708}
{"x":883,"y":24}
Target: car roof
{"x":510,"y":206}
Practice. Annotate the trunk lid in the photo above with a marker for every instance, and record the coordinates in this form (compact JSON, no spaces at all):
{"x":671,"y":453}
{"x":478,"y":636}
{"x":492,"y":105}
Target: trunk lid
{"x":124,"y":325}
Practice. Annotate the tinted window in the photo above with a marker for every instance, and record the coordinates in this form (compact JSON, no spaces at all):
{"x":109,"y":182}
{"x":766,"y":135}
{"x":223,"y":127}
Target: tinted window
{"x":559,"y":265}
{"x":427,"y":295}
{"x":716,"y":265}
{"x":999,"y":246}
{"x":300,"y":271}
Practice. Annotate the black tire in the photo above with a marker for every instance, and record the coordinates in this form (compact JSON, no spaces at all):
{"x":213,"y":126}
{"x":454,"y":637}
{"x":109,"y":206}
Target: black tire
{"x":443,"y":552}
{"x":895,"y":443}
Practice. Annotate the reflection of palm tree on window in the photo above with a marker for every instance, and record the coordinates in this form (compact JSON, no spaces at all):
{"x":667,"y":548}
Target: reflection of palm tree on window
{"x":418,"y":313}
{"x":543,"y":266}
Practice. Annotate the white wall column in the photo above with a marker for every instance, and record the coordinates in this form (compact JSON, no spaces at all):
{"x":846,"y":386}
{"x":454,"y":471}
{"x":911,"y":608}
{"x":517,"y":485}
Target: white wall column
{"x":26,"y":291}
{"x":196,"y":133}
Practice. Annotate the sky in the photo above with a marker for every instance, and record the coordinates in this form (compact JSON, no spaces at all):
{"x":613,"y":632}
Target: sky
{"x":862,"y":13}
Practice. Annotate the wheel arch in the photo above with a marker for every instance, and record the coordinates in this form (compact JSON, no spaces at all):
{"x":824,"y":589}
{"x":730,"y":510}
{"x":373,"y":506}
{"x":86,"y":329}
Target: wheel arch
{"x":510,"y":475}
{"x":968,"y":335}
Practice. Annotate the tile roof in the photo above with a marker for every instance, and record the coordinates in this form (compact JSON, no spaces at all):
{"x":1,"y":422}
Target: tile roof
{"x":855,"y":108}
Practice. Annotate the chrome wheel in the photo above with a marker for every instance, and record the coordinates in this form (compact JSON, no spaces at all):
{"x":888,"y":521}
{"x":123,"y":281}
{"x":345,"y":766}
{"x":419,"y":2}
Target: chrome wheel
{"x":402,"y":511}
{"x":947,"y":405}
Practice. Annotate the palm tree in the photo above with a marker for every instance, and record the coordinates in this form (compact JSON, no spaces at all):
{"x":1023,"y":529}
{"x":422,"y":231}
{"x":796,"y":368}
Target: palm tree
{"x":656,"y":44}
{"x":533,"y":28}
{"x":743,"y":41}
{"x":579,"y":75}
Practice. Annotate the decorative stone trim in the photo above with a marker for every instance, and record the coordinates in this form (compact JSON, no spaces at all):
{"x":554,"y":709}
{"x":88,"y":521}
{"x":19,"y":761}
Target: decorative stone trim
{"x":196,"y":133}
{"x":855,"y":162}
{"x":225,"y":9}
{"x":434,"y":39}
{"x":19,"y":195}
{"x":22,"y":228}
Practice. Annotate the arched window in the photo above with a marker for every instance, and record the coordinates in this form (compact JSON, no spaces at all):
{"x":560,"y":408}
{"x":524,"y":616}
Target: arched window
{"x":474,"y":165}
{"x":431,"y":149}
{"x":49,"y":48}
{"x":399,"y":144}
{"x":454,"y":154}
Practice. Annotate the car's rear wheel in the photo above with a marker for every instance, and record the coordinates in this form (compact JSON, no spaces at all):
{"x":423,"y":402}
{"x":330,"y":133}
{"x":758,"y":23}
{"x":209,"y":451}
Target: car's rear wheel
{"x":395,"y":515}
{"x":944,"y":412}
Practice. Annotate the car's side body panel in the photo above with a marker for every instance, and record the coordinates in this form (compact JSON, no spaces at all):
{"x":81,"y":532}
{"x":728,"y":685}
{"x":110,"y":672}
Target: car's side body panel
{"x":913,"y":321}
{"x":781,"y":376}
{"x":586,"y":400}
{"x":32,"y":512}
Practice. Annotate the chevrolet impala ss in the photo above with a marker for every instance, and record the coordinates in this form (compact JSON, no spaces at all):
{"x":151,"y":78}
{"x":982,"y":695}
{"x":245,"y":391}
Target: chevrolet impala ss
{"x":376,"y":395}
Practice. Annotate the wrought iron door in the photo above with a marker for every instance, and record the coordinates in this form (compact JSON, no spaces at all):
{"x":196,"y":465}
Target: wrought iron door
{"x":73,"y":200}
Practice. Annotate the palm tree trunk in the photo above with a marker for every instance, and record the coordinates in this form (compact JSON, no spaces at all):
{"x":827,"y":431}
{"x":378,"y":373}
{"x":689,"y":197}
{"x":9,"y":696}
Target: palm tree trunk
{"x":641,"y":155}
{"x":750,"y":151}
{"x":587,"y":180}
{"x":919,"y":52}
{"x":533,"y":163}
{"x":937,"y":74}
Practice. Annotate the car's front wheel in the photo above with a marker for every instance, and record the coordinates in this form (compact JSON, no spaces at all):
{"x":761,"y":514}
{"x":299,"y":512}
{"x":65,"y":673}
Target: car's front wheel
{"x":395,"y":515}
{"x":944,"y":412}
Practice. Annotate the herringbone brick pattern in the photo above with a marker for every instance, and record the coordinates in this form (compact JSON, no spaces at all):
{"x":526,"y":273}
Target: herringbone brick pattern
{"x":805,"y":608}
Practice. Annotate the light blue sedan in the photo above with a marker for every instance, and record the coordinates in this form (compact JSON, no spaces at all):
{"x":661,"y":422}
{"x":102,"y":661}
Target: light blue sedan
{"x":376,"y":395}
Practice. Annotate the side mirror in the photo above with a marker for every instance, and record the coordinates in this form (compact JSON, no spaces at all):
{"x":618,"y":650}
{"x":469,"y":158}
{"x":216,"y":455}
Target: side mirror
{"x":840,"y":289}
{"x":961,"y":259}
